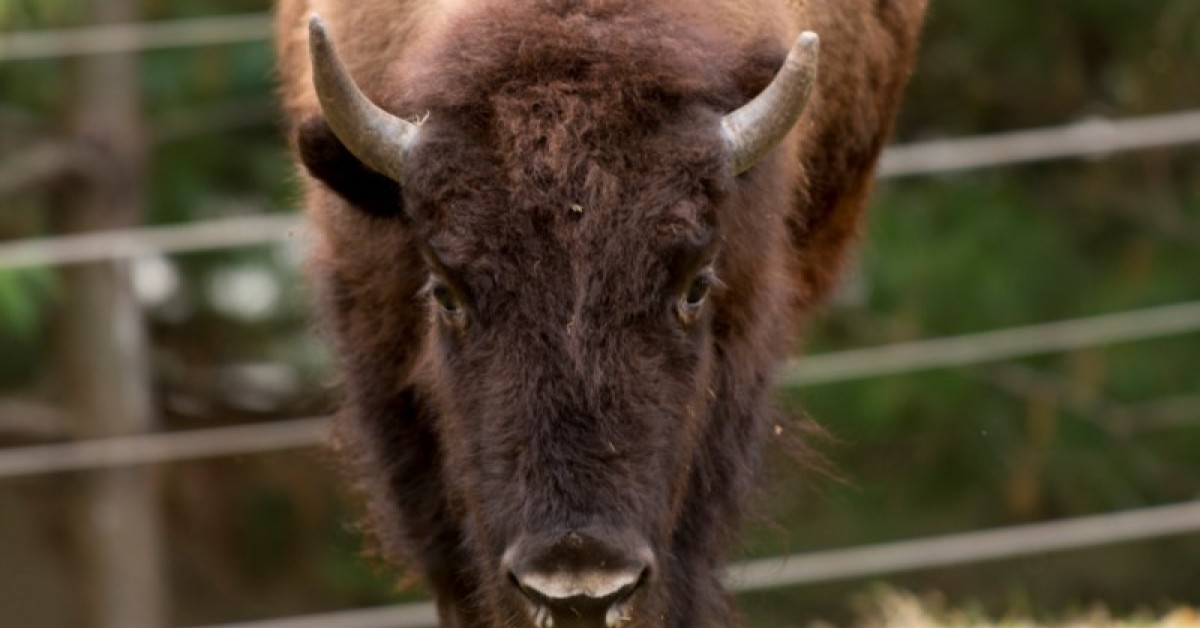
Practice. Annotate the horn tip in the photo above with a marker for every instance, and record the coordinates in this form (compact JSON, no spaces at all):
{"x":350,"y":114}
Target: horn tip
{"x":316,"y":26}
{"x":807,"y":40}
{"x":803,"y":55}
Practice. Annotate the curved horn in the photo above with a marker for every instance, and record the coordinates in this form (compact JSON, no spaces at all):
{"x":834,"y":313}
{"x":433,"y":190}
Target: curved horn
{"x":761,"y":124}
{"x":375,"y":136}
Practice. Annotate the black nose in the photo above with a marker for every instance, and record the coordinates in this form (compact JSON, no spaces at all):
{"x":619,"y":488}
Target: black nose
{"x":579,"y":579}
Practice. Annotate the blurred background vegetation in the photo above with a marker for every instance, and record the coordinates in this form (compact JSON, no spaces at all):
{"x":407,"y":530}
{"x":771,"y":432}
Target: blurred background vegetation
{"x":1083,"y":432}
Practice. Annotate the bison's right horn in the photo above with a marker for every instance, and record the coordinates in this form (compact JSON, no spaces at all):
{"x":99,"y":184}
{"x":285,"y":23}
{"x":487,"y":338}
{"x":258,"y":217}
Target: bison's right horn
{"x":761,"y":124}
{"x":378,"y":138}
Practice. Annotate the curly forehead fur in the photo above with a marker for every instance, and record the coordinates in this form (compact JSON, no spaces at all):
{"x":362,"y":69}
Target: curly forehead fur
{"x":635,"y":59}
{"x":597,"y":113}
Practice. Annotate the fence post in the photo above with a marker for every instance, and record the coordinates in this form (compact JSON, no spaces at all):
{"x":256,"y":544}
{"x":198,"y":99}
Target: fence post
{"x":100,"y":353}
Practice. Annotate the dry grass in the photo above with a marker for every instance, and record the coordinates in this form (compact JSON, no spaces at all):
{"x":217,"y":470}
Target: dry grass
{"x":896,"y":609}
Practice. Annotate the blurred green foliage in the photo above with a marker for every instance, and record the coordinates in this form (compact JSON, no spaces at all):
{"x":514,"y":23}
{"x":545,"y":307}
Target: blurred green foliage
{"x":919,"y":454}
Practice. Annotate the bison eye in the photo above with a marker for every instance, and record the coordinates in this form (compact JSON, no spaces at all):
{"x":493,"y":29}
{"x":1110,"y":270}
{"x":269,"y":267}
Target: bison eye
{"x":697,"y":293}
{"x":447,"y":301}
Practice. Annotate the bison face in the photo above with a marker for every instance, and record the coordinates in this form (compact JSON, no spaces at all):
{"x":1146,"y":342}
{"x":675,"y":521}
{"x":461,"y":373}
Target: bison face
{"x":570,"y":397}
{"x":571,"y":354}
{"x":591,"y":271}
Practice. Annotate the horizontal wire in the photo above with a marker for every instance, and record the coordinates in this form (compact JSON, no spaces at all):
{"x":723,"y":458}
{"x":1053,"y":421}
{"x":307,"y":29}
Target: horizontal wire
{"x":1089,"y":138}
{"x":416,"y":615}
{"x":857,"y":562}
{"x":141,"y":449}
{"x":992,"y":346}
{"x":966,"y":547}
{"x":134,"y":37}
{"x":192,"y":237}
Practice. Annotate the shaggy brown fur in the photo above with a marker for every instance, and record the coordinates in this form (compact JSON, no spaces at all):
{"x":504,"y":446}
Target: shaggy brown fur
{"x":569,"y":188}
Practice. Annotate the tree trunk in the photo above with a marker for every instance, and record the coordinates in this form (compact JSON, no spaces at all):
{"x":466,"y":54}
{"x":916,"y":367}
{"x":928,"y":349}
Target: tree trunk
{"x":101,"y":352}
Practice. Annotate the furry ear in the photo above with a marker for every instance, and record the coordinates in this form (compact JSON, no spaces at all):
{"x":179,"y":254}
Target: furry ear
{"x":330,"y":162}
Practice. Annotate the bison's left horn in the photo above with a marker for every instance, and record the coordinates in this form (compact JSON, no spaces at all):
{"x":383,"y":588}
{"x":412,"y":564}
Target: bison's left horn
{"x":752,"y":131}
{"x":378,"y":138}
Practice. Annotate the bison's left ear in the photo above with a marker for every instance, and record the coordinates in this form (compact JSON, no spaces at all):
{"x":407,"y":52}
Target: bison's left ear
{"x":329,"y":161}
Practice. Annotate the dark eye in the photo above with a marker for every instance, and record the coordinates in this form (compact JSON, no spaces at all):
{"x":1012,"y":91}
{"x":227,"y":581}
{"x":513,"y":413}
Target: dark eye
{"x":446,"y":300}
{"x":697,"y":292}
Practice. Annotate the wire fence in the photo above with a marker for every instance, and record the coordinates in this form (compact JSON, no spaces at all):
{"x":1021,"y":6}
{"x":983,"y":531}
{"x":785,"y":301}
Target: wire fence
{"x":967,"y":547}
{"x":134,"y":37}
{"x":416,"y":615}
{"x":1093,"y":138}
{"x":132,"y":243}
{"x":993,"y":346}
{"x":125,"y":451}
{"x":857,"y":562}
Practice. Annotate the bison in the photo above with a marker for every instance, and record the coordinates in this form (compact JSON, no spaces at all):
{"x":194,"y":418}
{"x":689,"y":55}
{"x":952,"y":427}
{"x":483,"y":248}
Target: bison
{"x":562,"y":247}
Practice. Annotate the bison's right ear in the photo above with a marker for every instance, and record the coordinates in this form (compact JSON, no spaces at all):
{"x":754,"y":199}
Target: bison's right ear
{"x":329,"y":161}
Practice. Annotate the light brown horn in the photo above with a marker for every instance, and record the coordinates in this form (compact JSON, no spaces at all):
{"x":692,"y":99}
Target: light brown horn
{"x":380,"y":139}
{"x":761,"y":124}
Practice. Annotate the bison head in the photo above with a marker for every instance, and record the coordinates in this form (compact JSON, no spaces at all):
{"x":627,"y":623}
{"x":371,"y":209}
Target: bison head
{"x":605,"y":275}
